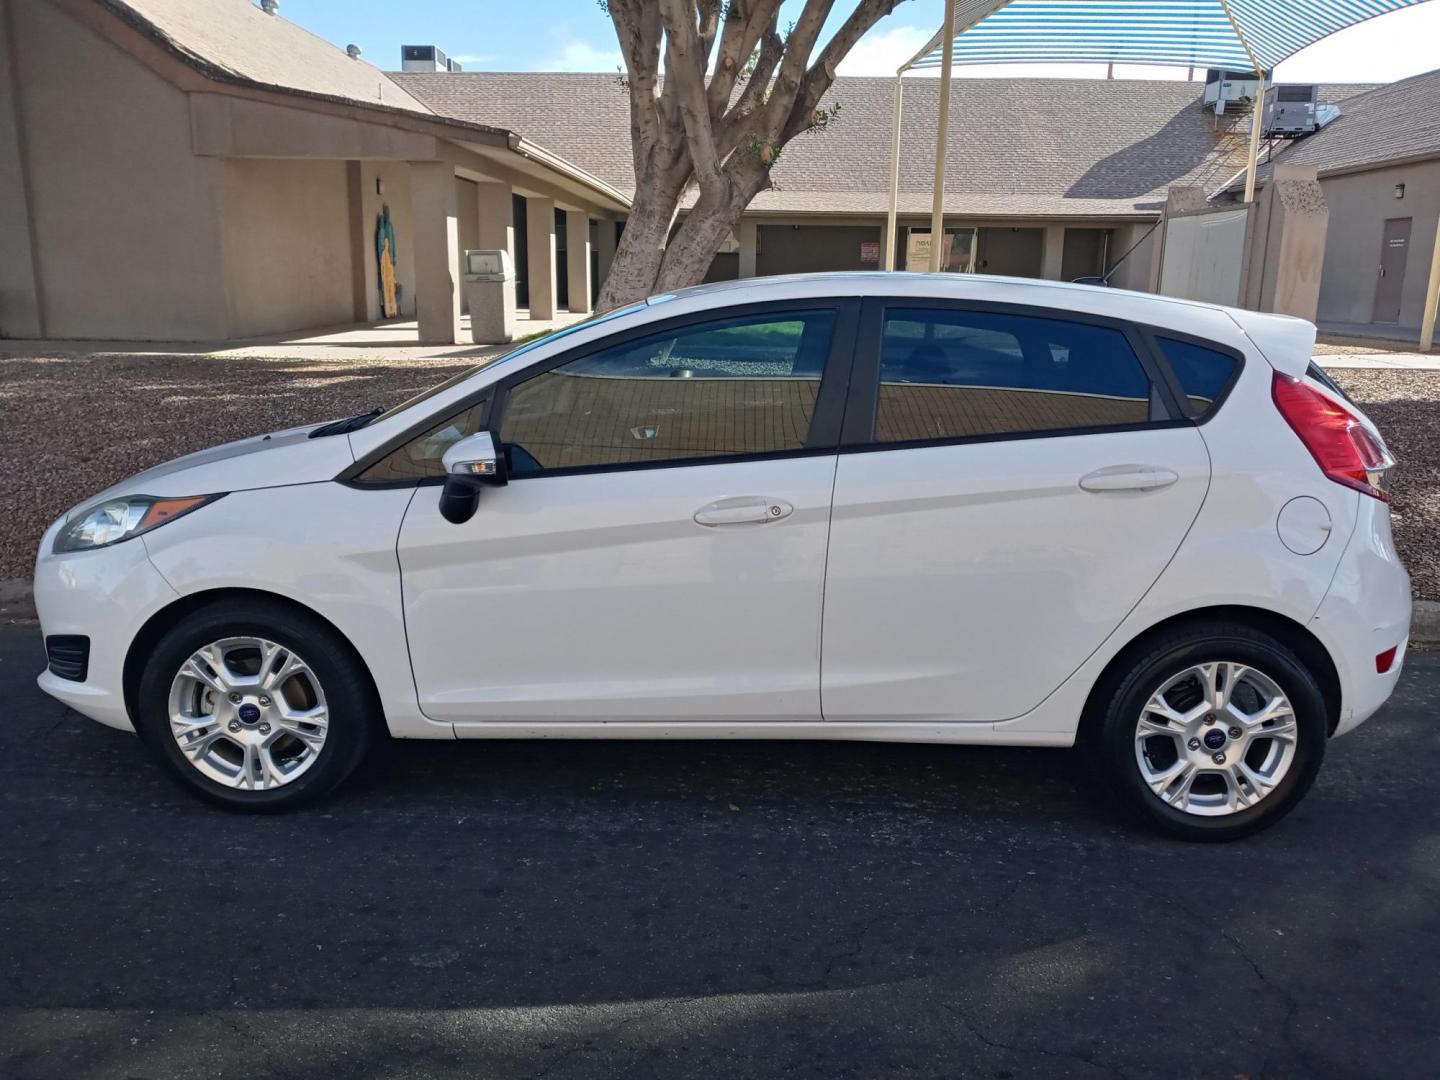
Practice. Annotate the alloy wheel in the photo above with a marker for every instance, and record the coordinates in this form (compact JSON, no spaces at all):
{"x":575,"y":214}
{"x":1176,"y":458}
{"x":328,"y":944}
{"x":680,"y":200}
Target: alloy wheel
{"x":1216,"y":738}
{"x":248,"y":713}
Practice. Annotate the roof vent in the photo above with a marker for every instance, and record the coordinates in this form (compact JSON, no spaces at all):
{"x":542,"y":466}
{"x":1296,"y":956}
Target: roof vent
{"x":352,"y":51}
{"x":270,"y":7}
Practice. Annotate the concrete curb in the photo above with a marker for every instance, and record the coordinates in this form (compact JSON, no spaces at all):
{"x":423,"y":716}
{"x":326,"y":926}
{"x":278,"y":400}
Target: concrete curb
{"x":16,"y":602}
{"x":1425,"y":623}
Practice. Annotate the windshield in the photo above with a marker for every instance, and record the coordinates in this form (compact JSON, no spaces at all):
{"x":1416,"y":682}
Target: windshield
{"x":528,"y":346}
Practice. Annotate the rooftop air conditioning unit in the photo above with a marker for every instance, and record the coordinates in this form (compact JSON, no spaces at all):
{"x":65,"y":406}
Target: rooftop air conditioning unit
{"x":423,"y":58}
{"x":1224,"y":88}
{"x":1291,"y":112}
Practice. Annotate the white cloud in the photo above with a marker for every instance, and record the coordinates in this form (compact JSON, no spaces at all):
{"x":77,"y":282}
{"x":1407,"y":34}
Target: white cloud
{"x":472,"y":58}
{"x":583,"y":56}
{"x":880,"y":52}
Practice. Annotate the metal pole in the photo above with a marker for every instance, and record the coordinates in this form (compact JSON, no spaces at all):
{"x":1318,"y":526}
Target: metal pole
{"x":1432,"y":299}
{"x":1257,"y":117}
{"x":937,"y":204}
{"x":894,"y":175}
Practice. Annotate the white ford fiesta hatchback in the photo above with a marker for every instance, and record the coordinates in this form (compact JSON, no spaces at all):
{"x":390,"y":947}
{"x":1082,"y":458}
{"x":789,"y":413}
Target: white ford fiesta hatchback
{"x":917,"y":508}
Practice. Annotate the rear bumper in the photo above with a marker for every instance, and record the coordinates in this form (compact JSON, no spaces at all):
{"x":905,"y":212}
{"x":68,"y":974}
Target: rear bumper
{"x":1366,"y":612}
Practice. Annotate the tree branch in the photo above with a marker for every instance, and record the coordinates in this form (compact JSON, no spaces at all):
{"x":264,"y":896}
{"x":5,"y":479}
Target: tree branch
{"x":799,"y":43}
{"x":737,"y":122}
{"x":821,"y":75}
{"x":637,"y":26}
{"x":685,"y":74}
{"x":746,"y":25}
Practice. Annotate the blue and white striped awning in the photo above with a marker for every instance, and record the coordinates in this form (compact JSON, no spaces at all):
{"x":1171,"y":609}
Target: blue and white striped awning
{"x":1233,"y":34}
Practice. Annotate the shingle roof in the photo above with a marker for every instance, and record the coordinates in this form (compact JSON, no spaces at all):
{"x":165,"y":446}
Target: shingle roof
{"x":1038,"y":147}
{"x":585,"y":118}
{"x":1397,"y":122}
{"x":236,"y":38}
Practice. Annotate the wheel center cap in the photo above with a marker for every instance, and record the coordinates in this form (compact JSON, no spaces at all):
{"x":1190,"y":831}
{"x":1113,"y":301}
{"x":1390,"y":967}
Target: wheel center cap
{"x":249,"y":713}
{"x":1214,"y":738}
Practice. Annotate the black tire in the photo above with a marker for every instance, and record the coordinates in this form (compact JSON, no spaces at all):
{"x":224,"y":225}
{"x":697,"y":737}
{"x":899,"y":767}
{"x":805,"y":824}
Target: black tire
{"x":1121,"y":700}
{"x":354,"y":716}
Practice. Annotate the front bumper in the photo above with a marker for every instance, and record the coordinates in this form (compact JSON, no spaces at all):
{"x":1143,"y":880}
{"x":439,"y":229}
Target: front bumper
{"x":107,"y":595}
{"x":1366,"y":612}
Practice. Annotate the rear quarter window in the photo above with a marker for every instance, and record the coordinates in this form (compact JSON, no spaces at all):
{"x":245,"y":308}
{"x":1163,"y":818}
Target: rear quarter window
{"x":1204,"y":373}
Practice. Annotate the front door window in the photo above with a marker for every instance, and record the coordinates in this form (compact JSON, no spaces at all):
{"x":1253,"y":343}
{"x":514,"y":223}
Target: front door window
{"x":736,"y":388}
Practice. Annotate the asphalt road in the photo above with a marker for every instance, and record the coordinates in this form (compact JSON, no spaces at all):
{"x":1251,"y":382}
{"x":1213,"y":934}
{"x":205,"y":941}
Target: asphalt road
{"x":707,"y":909}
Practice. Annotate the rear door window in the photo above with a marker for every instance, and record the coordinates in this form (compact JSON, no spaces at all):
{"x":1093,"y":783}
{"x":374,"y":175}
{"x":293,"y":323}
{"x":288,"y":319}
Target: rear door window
{"x":956,"y":374}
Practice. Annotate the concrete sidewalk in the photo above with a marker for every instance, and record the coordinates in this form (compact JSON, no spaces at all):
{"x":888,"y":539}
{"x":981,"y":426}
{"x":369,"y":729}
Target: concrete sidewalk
{"x":1395,"y":361}
{"x":391,"y":339}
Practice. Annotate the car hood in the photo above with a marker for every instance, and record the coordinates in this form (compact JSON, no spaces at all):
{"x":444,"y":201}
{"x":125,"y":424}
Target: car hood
{"x":278,"y":459}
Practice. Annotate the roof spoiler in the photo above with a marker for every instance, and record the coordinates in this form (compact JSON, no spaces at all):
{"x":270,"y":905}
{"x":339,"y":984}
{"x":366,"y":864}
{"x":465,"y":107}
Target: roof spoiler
{"x":1287,"y":342}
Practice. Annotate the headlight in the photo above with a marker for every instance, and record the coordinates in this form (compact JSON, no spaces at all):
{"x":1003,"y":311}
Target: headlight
{"x":120,"y":519}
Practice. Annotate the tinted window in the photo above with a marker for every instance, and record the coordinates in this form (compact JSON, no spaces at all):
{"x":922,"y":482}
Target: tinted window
{"x":742,"y":386}
{"x":1203,"y":373}
{"x":420,"y":457}
{"x":956,"y":374}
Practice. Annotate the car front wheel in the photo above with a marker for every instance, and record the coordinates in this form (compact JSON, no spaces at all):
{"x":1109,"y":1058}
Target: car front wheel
{"x":256,"y":705}
{"x":1213,"y":732}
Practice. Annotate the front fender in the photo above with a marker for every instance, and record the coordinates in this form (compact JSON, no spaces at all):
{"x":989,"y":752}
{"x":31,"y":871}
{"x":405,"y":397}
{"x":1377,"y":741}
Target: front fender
{"x":328,"y":546}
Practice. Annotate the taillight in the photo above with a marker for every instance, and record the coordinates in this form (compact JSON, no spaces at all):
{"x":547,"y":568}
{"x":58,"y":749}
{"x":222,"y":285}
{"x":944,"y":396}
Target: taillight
{"x":1341,"y":445}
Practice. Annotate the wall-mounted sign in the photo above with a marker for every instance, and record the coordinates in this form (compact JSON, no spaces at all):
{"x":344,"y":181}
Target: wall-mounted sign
{"x":917,"y":251}
{"x":869,"y":251}
{"x":957,"y":256}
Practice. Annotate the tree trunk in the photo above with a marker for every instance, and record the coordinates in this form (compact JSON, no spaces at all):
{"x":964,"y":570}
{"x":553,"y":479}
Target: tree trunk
{"x":706,"y":226}
{"x":643,"y":244}
{"x":688,"y":127}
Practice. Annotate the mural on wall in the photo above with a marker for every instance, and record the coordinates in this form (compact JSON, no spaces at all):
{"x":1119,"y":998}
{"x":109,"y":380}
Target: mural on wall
{"x":385,"y":256}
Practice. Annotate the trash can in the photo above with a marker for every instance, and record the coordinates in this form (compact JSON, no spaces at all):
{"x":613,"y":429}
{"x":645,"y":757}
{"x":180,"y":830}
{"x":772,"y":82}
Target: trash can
{"x":489,"y":283}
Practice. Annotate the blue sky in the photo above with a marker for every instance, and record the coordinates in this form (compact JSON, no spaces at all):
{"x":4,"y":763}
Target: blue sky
{"x":575,"y":35}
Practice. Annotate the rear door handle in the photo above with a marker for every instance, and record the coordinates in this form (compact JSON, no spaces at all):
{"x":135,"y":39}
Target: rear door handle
{"x":743,"y":510}
{"x":1129,"y":478}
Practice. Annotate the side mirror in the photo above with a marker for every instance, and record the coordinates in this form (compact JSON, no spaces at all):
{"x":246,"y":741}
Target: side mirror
{"x":473,"y":463}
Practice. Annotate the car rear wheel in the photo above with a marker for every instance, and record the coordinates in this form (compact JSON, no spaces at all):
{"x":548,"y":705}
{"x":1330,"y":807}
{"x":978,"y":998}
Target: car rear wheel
{"x":256,"y":705}
{"x":1212,"y":732}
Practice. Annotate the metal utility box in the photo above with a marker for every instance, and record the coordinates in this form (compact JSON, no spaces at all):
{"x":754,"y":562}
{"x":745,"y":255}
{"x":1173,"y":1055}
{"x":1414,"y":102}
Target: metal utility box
{"x":1290,"y":111}
{"x":425,"y":58}
{"x":489,"y":284}
{"x":488,"y":264}
{"x":1223,"y":88}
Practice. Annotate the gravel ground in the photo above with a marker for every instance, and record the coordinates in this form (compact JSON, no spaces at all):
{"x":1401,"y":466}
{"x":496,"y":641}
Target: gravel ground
{"x":1337,"y":344}
{"x":1405,"y":405}
{"x":75,"y":425}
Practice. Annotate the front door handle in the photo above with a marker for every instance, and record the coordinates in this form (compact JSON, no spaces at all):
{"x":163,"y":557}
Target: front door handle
{"x":743,"y":510}
{"x":1129,"y":478}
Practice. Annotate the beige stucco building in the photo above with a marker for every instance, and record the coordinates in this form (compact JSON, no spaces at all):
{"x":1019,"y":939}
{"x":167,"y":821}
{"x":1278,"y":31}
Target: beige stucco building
{"x":1379,"y":167}
{"x":204,"y":170}
{"x":180,"y":170}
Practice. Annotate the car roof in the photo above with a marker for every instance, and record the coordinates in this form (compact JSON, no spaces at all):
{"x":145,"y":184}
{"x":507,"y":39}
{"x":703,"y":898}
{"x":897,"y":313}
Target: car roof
{"x":1286,"y":341}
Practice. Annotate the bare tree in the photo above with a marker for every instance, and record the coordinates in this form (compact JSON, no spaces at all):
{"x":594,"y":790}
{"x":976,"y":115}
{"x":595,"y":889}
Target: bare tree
{"x":719,"y":125}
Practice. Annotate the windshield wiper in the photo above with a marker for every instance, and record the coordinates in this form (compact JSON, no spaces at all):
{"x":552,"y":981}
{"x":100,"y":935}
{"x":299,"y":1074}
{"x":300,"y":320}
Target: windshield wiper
{"x":349,"y":424}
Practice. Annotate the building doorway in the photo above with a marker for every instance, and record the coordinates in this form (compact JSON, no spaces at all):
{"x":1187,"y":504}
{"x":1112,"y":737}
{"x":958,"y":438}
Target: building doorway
{"x":1013,"y":252}
{"x":1394,"y":252}
{"x":1085,"y":253}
